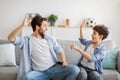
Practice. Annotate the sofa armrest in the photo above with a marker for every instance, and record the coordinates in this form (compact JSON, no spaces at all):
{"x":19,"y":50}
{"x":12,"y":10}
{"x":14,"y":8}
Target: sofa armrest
{"x":118,"y":62}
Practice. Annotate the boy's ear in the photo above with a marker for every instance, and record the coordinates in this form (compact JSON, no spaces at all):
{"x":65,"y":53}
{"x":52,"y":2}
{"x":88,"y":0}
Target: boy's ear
{"x":101,"y":37}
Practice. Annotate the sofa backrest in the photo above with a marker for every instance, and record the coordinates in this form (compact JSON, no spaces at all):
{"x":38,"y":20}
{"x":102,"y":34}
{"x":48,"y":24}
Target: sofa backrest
{"x":73,"y":56}
{"x":109,"y":44}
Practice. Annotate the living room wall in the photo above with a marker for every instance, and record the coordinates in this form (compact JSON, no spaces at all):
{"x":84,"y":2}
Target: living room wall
{"x":104,"y":11}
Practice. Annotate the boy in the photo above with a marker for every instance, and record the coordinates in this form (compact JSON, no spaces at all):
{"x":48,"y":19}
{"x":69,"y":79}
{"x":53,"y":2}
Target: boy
{"x":93,"y":54}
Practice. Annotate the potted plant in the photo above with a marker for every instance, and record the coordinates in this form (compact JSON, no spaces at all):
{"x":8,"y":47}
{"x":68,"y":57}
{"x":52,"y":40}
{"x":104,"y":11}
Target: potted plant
{"x":52,"y":19}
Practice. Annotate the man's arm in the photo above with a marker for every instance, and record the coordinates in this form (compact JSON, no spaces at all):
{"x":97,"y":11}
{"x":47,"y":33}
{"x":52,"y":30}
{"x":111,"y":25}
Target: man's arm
{"x":58,"y":50}
{"x":63,"y":59}
{"x":15,"y":32}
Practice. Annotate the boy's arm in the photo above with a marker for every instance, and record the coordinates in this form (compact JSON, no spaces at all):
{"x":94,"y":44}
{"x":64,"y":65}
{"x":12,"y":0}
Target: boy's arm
{"x":82,"y":39}
{"x":81,"y":29}
{"x":82,"y":52}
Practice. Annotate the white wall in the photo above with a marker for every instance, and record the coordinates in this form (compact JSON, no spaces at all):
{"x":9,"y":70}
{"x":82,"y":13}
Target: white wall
{"x":104,"y":11}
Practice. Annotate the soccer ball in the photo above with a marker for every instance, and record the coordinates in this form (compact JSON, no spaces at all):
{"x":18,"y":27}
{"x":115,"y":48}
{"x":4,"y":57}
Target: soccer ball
{"x":91,"y":22}
{"x":31,"y":16}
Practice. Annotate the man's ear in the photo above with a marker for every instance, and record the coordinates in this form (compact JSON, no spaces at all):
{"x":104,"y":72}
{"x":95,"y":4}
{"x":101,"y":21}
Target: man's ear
{"x":37,"y":27}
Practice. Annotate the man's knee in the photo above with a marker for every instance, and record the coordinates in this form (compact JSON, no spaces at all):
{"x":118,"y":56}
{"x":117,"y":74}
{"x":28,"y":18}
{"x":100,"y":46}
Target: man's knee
{"x":74,"y":69}
{"x":28,"y":77}
{"x":35,"y":75}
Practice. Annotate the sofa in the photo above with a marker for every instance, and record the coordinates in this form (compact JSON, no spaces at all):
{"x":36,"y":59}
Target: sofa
{"x":72,"y":56}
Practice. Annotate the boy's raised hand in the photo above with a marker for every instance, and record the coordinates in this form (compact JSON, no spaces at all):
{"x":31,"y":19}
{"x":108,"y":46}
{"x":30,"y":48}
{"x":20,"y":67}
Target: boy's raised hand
{"x":84,"y":22}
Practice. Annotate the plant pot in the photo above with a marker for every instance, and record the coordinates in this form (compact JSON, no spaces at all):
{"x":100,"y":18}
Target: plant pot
{"x":52,"y":23}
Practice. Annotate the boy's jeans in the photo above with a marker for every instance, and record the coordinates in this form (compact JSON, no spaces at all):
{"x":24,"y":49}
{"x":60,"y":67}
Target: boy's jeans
{"x":69,"y":72}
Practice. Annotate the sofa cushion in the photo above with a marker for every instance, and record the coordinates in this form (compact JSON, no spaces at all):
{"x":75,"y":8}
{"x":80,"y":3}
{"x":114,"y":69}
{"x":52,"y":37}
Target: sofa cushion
{"x":110,"y":60}
{"x":118,"y":62}
{"x":7,"y":55}
{"x":108,"y":75}
{"x":8,"y":73}
{"x":111,"y":75}
{"x":18,"y":52}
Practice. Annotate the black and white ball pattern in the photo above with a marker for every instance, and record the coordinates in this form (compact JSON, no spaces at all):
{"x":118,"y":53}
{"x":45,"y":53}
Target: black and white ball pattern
{"x":91,"y":22}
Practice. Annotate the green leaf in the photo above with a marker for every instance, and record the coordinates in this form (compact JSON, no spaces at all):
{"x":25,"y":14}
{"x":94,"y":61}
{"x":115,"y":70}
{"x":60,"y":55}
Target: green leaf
{"x":52,"y":18}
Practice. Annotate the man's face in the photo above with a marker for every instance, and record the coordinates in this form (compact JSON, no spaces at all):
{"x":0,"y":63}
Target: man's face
{"x":43,"y":29}
{"x":96,"y":37}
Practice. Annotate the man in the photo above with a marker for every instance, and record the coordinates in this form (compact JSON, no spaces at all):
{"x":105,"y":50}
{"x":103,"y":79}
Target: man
{"x":94,"y":53}
{"x":39,"y":61}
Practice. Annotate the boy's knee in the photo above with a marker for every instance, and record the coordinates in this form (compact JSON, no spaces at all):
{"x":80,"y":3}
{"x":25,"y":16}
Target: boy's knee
{"x":96,"y":78}
{"x":82,"y":76}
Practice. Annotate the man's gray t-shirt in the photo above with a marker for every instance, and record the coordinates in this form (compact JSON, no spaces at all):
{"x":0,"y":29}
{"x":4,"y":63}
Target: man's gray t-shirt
{"x":40,"y":55}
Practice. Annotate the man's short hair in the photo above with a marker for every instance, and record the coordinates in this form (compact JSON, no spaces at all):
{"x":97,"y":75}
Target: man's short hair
{"x":37,"y":20}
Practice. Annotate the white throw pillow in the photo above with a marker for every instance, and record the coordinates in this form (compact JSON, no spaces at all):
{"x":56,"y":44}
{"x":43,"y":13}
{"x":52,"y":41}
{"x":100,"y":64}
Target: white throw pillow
{"x":7,"y":55}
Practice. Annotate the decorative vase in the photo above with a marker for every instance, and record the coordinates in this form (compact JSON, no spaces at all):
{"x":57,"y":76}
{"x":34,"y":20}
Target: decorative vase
{"x":52,"y":23}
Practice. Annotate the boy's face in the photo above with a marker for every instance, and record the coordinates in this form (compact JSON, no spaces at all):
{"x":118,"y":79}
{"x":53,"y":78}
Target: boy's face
{"x":96,"y":37}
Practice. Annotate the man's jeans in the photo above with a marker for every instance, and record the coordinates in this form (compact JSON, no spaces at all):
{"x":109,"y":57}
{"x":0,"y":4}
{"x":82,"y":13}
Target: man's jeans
{"x":69,"y":72}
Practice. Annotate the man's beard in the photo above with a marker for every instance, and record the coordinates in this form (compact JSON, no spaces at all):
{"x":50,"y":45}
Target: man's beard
{"x":41,"y":33}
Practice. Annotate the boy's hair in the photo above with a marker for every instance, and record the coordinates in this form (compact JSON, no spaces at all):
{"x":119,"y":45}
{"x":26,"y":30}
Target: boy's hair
{"x":37,"y":20}
{"x":102,"y":30}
